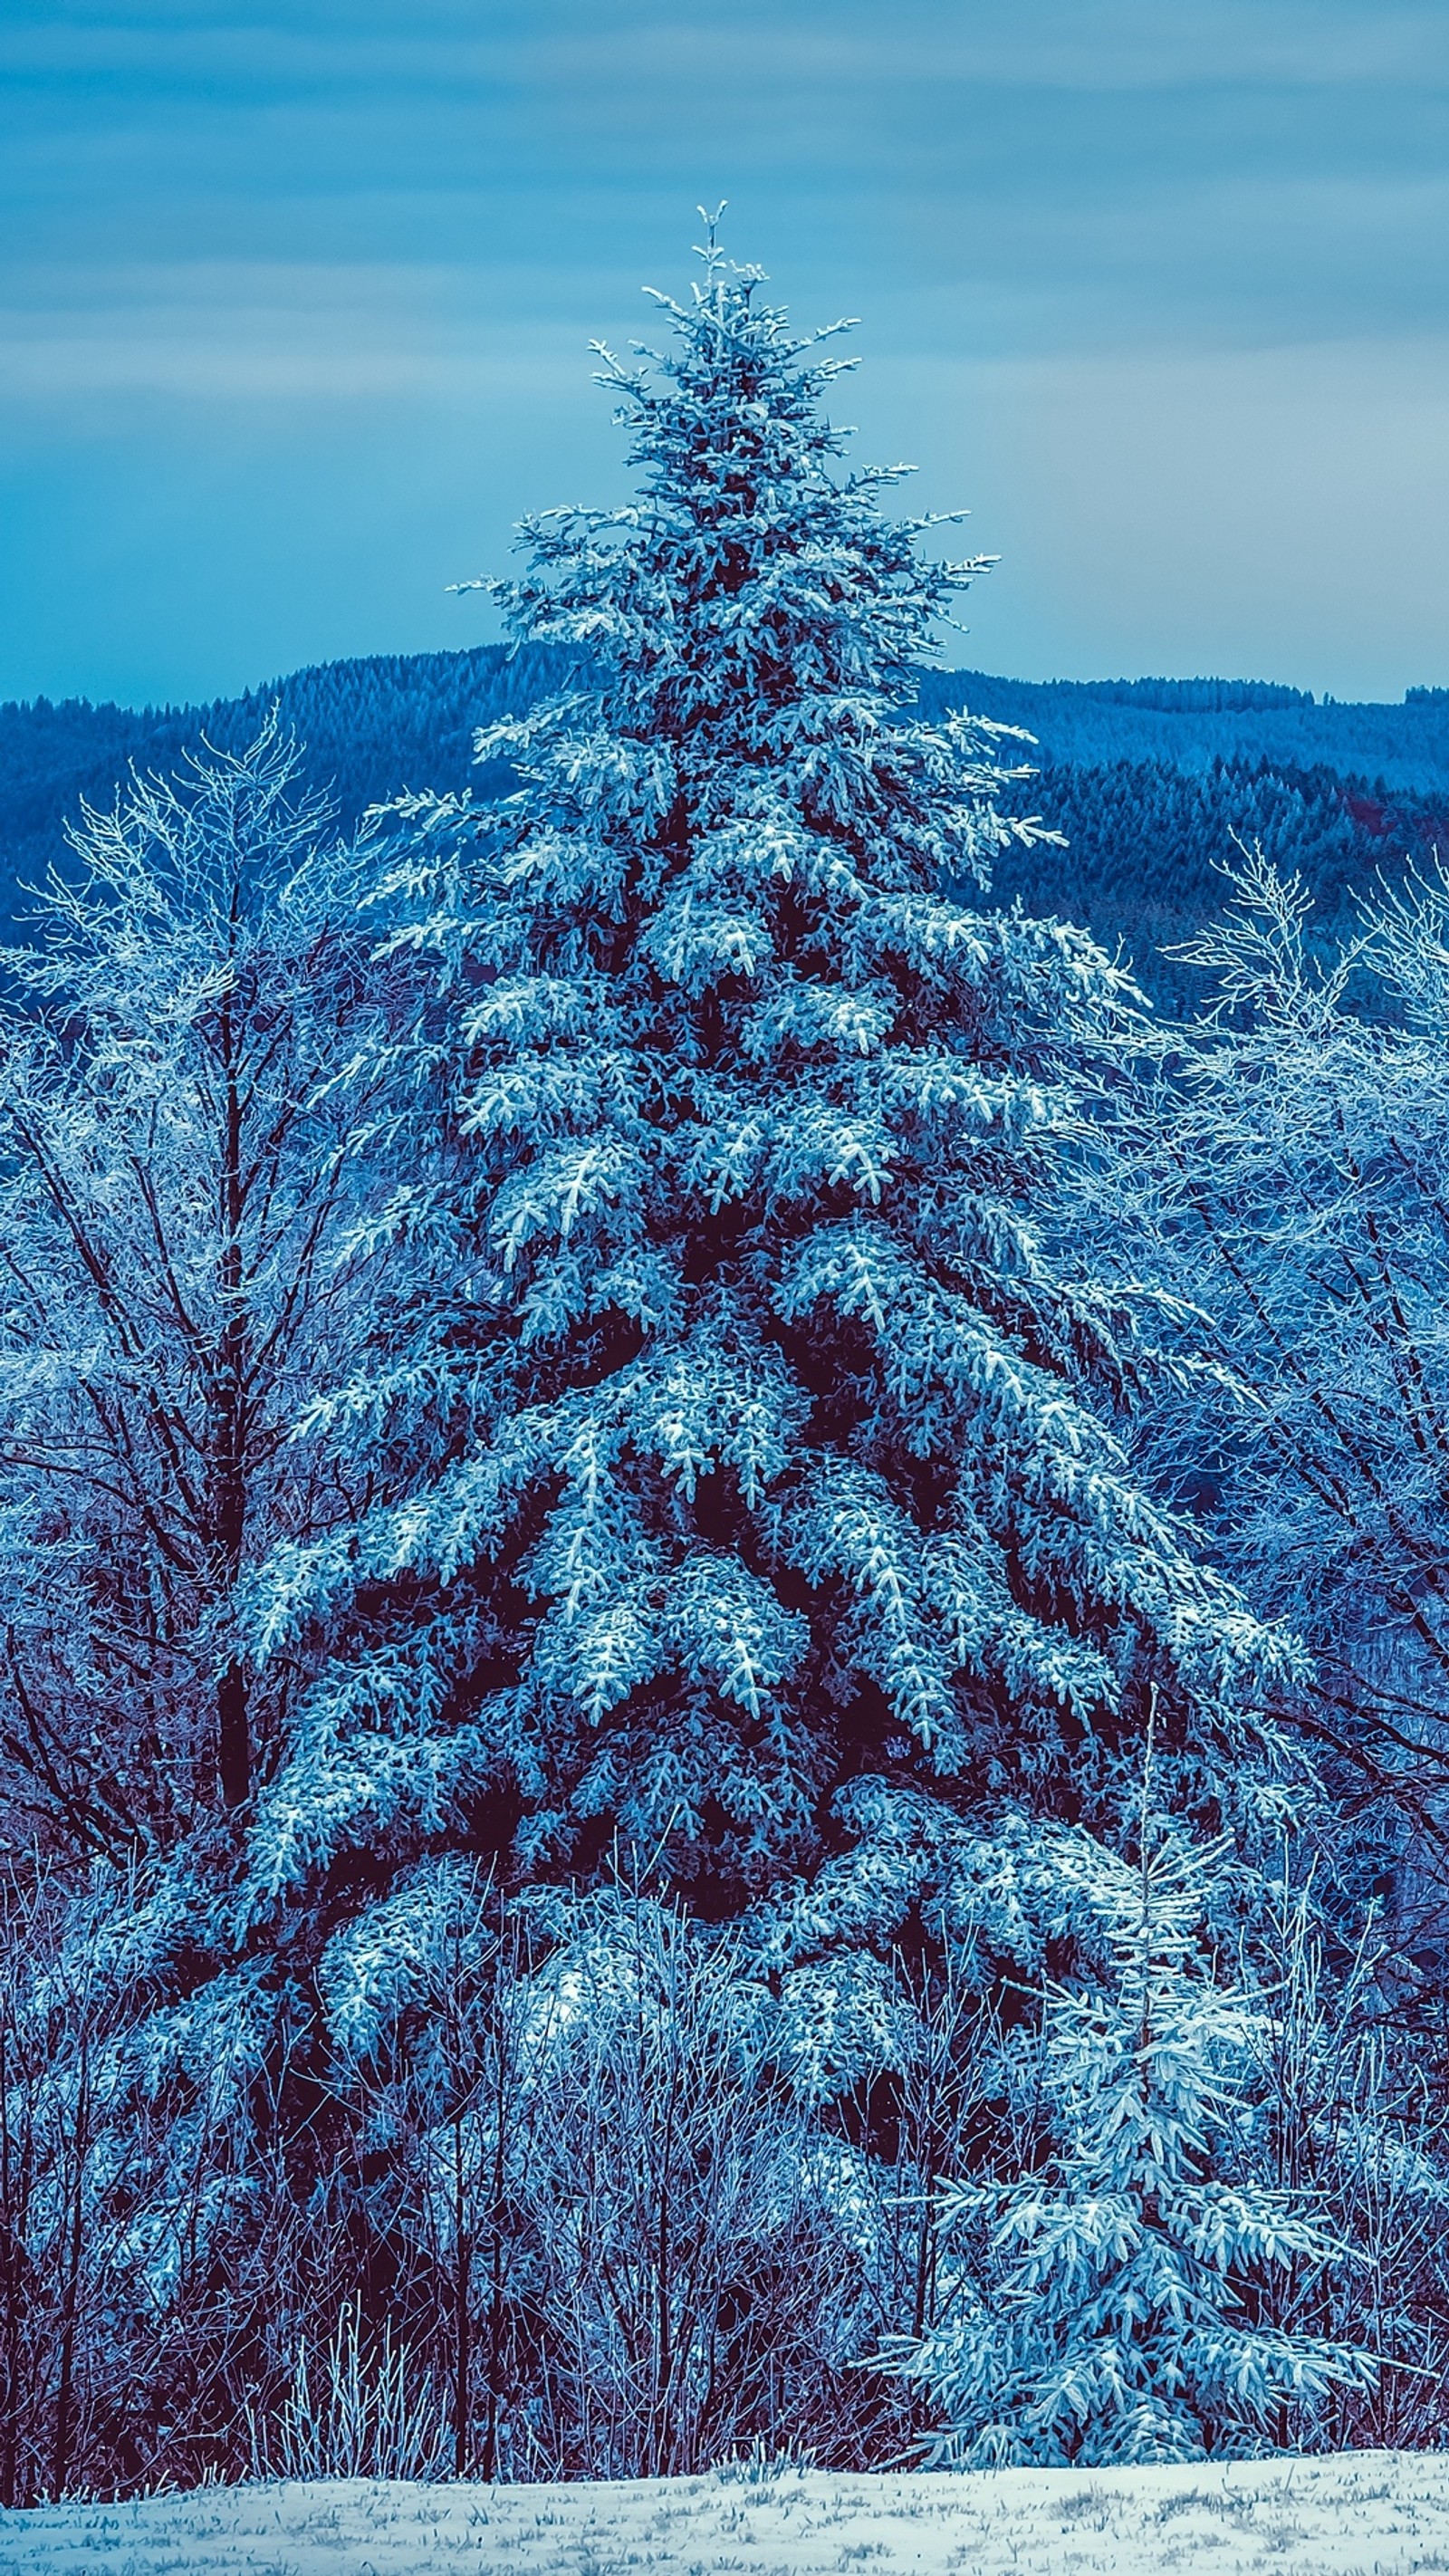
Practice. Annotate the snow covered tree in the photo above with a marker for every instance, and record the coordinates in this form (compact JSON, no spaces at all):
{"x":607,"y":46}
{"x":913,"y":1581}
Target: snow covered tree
{"x":1113,"y":2303}
{"x":742,"y":1468}
{"x":173,"y":1180}
{"x":1278,"y":1171}
{"x":718,"y":1473}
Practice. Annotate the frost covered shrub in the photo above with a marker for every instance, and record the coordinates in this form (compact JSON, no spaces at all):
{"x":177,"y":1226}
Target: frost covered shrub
{"x":567,"y":2200}
{"x":1115,"y":2301}
{"x":555,"y":2210}
{"x":120,"y":2278}
{"x":1349,"y":2118}
{"x":636,"y":2246}
{"x":356,"y":2408}
{"x":1278,"y":1169}
{"x":175,"y":1182}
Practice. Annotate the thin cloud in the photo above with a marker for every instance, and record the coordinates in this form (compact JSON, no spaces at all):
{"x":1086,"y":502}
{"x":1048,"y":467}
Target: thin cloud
{"x":412,"y":214}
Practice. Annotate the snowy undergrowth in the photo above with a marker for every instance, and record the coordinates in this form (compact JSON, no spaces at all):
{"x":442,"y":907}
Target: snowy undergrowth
{"x":1380,"y":2511}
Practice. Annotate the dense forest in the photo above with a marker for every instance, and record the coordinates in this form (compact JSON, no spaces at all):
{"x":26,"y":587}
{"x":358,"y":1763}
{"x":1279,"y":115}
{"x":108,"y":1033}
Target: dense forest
{"x":724,"y":1721}
{"x":1153,"y":783}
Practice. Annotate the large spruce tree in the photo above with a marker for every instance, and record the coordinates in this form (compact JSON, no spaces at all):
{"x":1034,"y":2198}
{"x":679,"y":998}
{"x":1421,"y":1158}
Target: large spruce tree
{"x":720,"y":1489}
{"x":747,"y":1495}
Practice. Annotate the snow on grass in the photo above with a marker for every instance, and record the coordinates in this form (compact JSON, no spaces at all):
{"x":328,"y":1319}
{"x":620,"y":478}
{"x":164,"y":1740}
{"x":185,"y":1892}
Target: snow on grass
{"x":1364,"y":2513}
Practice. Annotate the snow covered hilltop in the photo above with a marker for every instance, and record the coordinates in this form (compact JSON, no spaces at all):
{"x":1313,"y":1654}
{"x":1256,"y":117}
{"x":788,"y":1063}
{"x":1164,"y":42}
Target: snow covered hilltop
{"x":1374,"y":2513}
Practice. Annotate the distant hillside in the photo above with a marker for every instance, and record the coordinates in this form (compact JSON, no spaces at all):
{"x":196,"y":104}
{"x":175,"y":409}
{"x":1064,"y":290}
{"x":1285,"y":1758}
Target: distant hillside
{"x":1149,"y":779}
{"x":370,"y":728}
{"x":1190,"y":724}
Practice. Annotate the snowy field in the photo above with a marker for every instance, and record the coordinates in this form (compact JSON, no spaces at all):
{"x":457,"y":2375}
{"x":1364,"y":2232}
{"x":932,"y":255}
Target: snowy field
{"x":1368,"y":2513}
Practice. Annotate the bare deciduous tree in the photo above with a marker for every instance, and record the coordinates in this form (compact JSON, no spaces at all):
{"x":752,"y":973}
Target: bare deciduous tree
{"x":174,"y":1180}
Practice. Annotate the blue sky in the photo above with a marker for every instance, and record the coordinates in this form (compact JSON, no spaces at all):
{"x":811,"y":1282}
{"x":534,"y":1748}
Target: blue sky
{"x":296,"y":300}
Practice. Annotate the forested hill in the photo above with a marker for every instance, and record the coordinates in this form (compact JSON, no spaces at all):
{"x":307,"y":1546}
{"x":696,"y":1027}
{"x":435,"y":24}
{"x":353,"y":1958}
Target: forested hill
{"x":1194,"y":724}
{"x":1149,"y":779}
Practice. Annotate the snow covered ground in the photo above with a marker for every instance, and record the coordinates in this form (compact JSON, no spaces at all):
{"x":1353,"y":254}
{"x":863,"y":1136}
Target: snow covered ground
{"x":1367,"y":2513}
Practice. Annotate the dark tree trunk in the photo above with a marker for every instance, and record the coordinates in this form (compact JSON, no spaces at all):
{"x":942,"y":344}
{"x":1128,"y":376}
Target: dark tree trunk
{"x":233,"y":1739}
{"x":229,"y":1402}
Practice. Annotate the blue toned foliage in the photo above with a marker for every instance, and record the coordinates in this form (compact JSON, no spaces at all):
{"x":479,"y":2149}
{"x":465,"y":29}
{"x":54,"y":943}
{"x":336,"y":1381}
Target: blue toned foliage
{"x":703,"y":1476}
{"x":736,"y":1442}
{"x":1153,"y":784}
{"x":1120,"y":2300}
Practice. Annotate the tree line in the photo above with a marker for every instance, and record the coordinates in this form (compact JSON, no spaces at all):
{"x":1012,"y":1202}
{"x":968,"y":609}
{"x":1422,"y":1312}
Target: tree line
{"x":1155,"y":784}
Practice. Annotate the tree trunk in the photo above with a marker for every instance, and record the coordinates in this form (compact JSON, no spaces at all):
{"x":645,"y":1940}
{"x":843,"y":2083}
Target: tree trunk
{"x":229,"y":1403}
{"x":233,"y":1740}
